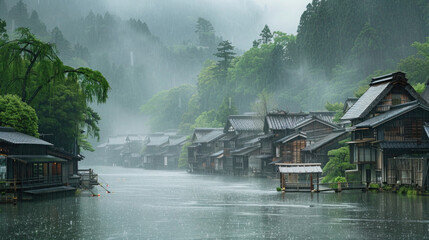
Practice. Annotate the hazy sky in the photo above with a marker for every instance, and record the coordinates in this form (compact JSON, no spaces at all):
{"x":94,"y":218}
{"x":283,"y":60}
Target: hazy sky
{"x":239,"y":21}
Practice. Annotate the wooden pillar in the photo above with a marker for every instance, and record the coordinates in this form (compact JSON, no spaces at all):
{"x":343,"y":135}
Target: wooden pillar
{"x":317,"y":181}
{"x":311,"y":182}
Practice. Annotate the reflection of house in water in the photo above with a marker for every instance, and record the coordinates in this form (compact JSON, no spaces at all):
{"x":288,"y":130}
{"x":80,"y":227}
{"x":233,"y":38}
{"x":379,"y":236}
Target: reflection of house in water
{"x":29,"y":165}
{"x":389,"y":142}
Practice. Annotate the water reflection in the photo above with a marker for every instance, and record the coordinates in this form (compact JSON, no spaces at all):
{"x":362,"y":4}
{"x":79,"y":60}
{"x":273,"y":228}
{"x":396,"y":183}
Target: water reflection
{"x":175,"y":205}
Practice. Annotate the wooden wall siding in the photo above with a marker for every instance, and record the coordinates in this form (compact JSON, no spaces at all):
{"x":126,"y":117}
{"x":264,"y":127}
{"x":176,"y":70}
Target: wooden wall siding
{"x":407,"y":171}
{"x":316,"y":129}
{"x":291,"y":151}
{"x":404,"y":130}
{"x":398,"y":95}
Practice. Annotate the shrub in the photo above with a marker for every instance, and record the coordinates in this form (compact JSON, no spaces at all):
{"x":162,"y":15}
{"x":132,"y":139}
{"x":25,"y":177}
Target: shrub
{"x":337,"y":180}
{"x":279,"y":189}
{"x":374,"y":185}
{"x":387,"y":188}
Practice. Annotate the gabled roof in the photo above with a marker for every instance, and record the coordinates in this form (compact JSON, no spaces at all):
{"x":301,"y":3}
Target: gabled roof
{"x":209,"y":136}
{"x":304,"y":122}
{"x":367,"y":101}
{"x":395,"y":112}
{"x":322,"y":142}
{"x":177,"y":140}
{"x":200,"y":132}
{"x":282,"y":121}
{"x":157,"y":140}
{"x":135,"y":137}
{"x":379,"y":87}
{"x":241,"y":123}
{"x":325,"y":116}
{"x":350,"y":101}
{"x":244,"y":151}
{"x":11,"y":136}
{"x":291,"y":136}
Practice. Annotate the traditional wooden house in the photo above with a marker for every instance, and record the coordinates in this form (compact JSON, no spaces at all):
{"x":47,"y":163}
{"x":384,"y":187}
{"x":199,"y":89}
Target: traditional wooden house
{"x":289,"y":133}
{"x":156,"y":147}
{"x":131,"y":153}
{"x":318,"y":151}
{"x":204,"y":144}
{"x":242,"y":133}
{"x":388,"y":140}
{"x":315,"y":128}
{"x":31,"y":165}
{"x":174,"y":148}
{"x":115,"y":147}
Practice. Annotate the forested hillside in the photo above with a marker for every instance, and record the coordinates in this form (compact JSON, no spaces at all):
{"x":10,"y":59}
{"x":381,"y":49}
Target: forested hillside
{"x":338,"y":46}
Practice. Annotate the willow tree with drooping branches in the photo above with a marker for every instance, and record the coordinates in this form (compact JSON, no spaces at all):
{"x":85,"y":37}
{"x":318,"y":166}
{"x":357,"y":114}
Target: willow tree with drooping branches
{"x":32,"y":70}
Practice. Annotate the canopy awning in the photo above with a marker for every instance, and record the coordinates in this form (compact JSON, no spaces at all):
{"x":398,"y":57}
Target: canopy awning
{"x":36,"y":158}
{"x":295,"y":168}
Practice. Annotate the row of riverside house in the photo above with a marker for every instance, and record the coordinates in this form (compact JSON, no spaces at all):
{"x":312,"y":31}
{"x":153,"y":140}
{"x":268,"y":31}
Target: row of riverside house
{"x":388,"y":127}
{"x":251,"y":145}
{"x":152,"y":151}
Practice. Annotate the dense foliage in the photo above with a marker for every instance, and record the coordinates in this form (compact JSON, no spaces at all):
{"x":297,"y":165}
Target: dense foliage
{"x":339,"y":161}
{"x":32,"y":70}
{"x":18,"y":115}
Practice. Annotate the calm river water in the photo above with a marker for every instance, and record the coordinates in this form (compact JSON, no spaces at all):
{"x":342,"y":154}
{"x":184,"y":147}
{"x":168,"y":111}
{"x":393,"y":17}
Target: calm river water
{"x":177,"y":205}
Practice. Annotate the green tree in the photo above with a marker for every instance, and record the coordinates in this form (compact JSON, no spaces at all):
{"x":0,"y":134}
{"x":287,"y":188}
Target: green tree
{"x":206,"y":32}
{"x":226,"y":109}
{"x":266,"y":35}
{"x":207,"y":120}
{"x":417,"y":66}
{"x":264,"y":103}
{"x":31,"y":69}
{"x":183,"y":159}
{"x":339,"y":162}
{"x":165,"y":109}
{"x":226,"y":54}
{"x":18,"y":115}
{"x":19,"y":14}
{"x":335,"y":107}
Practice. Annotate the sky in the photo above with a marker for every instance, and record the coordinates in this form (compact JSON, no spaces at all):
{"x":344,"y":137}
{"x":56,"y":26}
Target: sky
{"x":239,"y":21}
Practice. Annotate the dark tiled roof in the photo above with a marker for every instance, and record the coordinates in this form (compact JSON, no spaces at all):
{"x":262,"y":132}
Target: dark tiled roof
{"x":177,"y":140}
{"x":311,"y":119}
{"x":290,"y":137}
{"x":395,"y":111}
{"x":325,"y":116}
{"x":404,"y":145}
{"x":157,"y":140}
{"x":244,"y":151}
{"x":245,"y":123}
{"x":329,"y":138}
{"x":217,"y":154}
{"x":379,"y":87}
{"x":210,"y":136}
{"x":366,"y":101}
{"x":11,"y":136}
{"x":283,"y":121}
{"x":200,"y":132}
